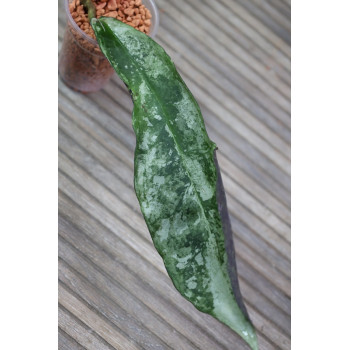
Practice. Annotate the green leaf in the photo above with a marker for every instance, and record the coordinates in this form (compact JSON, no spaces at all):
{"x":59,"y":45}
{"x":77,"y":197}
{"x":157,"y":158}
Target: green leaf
{"x":175,"y":175}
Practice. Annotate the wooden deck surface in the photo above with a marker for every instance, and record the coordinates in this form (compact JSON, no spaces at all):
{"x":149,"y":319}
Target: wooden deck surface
{"x":114,"y":293}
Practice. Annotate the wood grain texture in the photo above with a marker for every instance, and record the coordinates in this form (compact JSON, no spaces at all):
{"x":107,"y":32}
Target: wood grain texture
{"x":114,"y":292}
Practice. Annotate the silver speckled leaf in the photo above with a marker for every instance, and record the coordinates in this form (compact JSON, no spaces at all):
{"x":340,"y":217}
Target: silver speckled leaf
{"x":175,"y":175}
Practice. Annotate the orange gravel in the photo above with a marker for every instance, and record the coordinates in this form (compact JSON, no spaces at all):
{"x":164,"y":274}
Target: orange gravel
{"x":131,"y":12}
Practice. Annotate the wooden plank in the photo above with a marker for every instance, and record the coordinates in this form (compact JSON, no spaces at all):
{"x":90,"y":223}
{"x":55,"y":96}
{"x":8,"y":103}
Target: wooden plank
{"x":139,"y":241}
{"x":225,"y":54}
{"x":266,"y":327}
{"x":270,"y":20}
{"x":258,"y":158}
{"x":219,"y":23}
{"x":221,"y":42}
{"x":200,"y":54}
{"x":233,"y":112}
{"x":66,"y":342}
{"x":83,"y":336}
{"x":256,"y":207}
{"x":117,"y":139}
{"x":117,"y":320}
{"x":237,"y":175}
{"x":263,"y":248}
{"x":226,"y":86}
{"x":217,"y":27}
{"x":273,"y":13}
{"x":113,"y":338}
{"x":252,"y":257}
{"x":258,"y":46}
{"x":258,"y":27}
{"x":237,"y":154}
{"x":270,"y":297}
{"x":281,"y":6}
{"x":259,"y":227}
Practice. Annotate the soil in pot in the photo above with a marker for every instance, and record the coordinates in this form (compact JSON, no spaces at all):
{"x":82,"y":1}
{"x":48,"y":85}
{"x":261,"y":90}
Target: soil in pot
{"x":82,"y":66}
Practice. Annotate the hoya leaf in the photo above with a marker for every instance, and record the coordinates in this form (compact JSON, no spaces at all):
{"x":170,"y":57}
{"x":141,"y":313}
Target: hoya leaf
{"x":175,"y":176}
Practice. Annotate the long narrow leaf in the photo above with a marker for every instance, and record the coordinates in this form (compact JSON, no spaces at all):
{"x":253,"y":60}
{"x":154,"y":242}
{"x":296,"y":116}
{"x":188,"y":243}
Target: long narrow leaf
{"x":175,"y":176}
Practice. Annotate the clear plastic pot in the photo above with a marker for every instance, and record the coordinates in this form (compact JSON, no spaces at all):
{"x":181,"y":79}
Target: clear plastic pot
{"x":81,"y":65}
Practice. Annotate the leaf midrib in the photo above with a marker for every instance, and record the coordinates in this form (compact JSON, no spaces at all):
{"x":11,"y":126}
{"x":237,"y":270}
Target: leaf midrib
{"x":178,"y":148}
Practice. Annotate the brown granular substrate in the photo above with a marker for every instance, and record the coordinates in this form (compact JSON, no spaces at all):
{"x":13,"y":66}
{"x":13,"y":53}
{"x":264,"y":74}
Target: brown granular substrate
{"x":131,"y":12}
{"x":82,"y":66}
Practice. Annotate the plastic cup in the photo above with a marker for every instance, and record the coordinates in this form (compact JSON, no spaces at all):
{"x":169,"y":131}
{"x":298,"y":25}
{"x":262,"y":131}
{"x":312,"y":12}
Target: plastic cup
{"x":81,"y":65}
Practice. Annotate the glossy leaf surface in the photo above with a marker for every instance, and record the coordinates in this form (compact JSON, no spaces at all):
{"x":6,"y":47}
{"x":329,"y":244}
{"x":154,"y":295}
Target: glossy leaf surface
{"x":175,"y":175}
